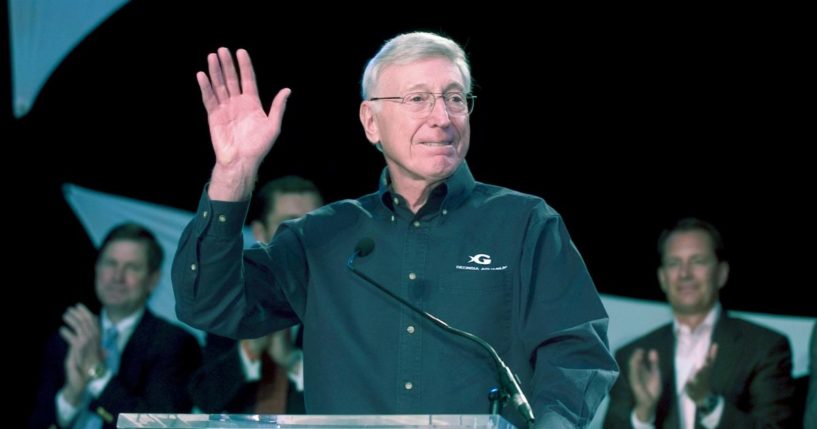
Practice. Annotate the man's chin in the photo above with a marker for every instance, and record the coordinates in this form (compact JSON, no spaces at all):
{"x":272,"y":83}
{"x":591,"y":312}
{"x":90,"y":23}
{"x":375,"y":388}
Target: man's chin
{"x":117,"y":304}
{"x":689,"y":308}
{"x":443,"y":168}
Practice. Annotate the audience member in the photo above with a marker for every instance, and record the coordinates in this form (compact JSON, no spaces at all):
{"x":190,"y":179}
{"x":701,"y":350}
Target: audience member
{"x":810,"y":419}
{"x":124,"y":360}
{"x":705,"y":369}
{"x":262,"y":375}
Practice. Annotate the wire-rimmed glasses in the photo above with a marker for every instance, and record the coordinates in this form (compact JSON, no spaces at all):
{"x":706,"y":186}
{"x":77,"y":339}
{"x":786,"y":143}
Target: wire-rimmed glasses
{"x":421,"y":104}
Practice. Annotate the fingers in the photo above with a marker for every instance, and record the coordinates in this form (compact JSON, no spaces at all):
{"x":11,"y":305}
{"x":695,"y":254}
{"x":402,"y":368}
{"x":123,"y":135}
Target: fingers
{"x":81,"y":321}
{"x":229,"y":72}
{"x":636,"y":361}
{"x":279,"y":105}
{"x":698,"y":385}
{"x":81,"y":330}
{"x":280,"y":348}
{"x":256,"y":346}
{"x":701,"y":373}
{"x":707,"y":364}
{"x":217,"y":77}
{"x":712,"y":354}
{"x":248,"y":83}
{"x":208,"y":96}
{"x":68,"y":335}
{"x":223,"y":81}
{"x":636,"y":371}
{"x":645,"y":381}
{"x":652,"y":356}
{"x":643,"y":371}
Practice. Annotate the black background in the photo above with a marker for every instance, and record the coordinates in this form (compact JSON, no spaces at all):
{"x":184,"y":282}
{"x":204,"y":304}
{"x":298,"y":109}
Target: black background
{"x":622,"y":123}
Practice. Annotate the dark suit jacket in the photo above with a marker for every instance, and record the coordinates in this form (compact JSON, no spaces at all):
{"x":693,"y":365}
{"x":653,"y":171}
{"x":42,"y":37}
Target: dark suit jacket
{"x":219,"y":386}
{"x":752,"y":372}
{"x":810,"y":419}
{"x":154,"y":371}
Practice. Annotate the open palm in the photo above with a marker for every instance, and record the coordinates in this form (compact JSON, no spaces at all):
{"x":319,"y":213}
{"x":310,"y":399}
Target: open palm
{"x":645,"y":381}
{"x":242,"y":132}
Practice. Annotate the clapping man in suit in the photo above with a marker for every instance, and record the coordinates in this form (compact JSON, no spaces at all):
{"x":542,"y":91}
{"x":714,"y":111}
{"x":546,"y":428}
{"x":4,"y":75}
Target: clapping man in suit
{"x":705,"y":369}
{"x":123,"y":360}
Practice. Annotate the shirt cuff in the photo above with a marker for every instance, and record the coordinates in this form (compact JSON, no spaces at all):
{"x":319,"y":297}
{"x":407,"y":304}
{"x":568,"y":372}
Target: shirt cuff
{"x":65,"y":411}
{"x":711,"y":420}
{"x":220,"y":218}
{"x":296,"y":370}
{"x":252,"y":368}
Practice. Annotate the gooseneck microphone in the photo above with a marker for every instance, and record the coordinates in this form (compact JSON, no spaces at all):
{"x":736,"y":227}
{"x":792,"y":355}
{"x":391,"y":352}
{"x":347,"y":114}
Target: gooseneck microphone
{"x":509,"y":383}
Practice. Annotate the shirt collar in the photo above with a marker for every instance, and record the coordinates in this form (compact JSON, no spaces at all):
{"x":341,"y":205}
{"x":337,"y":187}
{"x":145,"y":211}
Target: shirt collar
{"x":705,"y":326}
{"x":125,"y":327}
{"x":453,"y":190}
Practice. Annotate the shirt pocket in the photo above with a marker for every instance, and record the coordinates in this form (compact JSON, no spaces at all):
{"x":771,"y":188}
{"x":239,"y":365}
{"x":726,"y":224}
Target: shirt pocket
{"x":478,"y":302}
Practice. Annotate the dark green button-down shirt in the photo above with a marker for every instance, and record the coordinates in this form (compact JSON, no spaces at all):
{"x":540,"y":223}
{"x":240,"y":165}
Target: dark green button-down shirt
{"x":485,"y":259}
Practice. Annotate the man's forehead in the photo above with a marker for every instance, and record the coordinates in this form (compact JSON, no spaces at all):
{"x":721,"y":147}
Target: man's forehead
{"x":427,"y":74}
{"x":124,"y":246}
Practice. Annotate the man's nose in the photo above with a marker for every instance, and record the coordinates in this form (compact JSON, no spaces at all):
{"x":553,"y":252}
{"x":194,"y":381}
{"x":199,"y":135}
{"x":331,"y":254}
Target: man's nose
{"x":119,"y":273}
{"x":439,"y":112}
{"x":685,"y":270}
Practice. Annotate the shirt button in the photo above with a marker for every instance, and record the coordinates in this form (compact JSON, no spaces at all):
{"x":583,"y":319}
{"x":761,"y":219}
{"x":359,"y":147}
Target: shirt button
{"x":392,"y":218}
{"x":410,"y":329}
{"x":412,"y":276}
{"x":222,"y":218}
{"x":396,"y":201}
{"x":408,"y":385}
{"x":417,"y":223}
{"x":193,"y":267}
{"x":445,"y":212}
{"x":204,"y":214}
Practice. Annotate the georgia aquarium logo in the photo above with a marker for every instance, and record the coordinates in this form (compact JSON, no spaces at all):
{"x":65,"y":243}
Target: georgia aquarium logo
{"x":481,"y":259}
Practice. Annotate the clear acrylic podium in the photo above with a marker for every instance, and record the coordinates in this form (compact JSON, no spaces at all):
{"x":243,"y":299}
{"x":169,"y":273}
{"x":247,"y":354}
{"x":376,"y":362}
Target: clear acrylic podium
{"x":281,"y":421}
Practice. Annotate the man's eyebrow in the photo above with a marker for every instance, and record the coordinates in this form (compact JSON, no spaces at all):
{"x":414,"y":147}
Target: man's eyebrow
{"x":424,"y":87}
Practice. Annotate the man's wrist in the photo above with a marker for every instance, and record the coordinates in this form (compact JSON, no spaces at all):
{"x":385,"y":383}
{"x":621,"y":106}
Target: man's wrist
{"x":231,"y":184}
{"x":97,"y":371}
{"x":644,"y":414}
{"x":708,"y":405}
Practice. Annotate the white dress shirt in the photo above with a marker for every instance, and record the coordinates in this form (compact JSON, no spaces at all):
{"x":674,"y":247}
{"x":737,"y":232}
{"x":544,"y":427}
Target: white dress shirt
{"x":691,"y":349}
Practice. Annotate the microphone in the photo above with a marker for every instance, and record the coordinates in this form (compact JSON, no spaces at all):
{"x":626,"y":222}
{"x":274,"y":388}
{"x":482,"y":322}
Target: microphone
{"x":508,"y":381}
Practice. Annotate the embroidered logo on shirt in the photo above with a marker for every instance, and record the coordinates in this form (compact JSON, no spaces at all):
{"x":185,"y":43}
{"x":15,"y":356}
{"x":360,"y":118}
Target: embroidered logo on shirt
{"x":483,"y":259}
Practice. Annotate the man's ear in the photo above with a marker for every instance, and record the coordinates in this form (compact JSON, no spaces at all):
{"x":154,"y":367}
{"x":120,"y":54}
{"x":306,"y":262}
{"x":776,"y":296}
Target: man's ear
{"x":367,"y":119}
{"x":662,"y":280}
{"x":723,"y":273}
{"x":155,"y":277}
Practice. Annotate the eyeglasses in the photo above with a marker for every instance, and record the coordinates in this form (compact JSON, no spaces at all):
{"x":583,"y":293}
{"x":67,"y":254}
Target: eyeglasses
{"x":421,"y":104}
